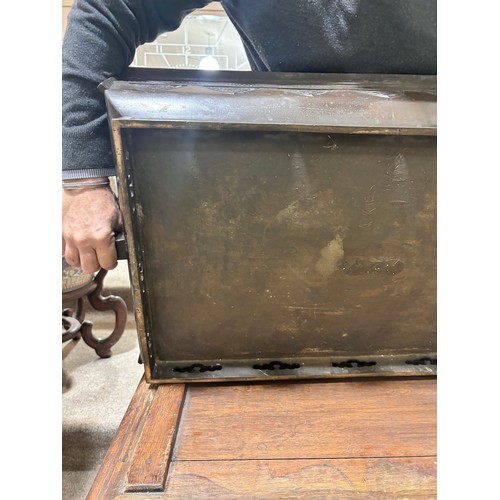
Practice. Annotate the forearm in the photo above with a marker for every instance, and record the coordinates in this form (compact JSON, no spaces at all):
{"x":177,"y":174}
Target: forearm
{"x":100,"y":41}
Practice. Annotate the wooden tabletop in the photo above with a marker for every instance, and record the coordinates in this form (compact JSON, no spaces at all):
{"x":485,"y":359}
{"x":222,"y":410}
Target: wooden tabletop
{"x":335,"y":439}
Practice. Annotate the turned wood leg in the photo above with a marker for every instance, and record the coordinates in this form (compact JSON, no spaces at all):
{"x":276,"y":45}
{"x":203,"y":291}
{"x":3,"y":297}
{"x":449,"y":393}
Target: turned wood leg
{"x":114,"y":303}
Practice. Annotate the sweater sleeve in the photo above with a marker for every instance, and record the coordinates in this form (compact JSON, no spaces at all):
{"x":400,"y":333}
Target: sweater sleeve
{"x":100,"y":41}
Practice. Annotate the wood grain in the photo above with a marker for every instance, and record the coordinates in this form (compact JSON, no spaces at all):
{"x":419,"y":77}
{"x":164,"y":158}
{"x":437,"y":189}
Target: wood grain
{"x":109,"y":479}
{"x":333,"y":419}
{"x":369,"y":439}
{"x":364,"y":479}
{"x":384,"y":479}
{"x":149,"y":464}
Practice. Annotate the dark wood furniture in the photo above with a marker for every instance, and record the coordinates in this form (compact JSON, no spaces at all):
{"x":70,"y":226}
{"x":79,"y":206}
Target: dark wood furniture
{"x":335,"y":439}
{"x":80,"y":289}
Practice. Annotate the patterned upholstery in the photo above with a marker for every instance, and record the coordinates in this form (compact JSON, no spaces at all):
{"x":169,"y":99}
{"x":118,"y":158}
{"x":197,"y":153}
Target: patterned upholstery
{"x":72,"y":279}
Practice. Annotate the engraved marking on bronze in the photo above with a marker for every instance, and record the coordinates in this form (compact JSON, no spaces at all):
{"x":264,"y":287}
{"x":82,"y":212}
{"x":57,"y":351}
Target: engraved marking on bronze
{"x":398,"y":178}
{"x":333,"y":146}
{"x":360,"y":267}
{"x":368,"y":208}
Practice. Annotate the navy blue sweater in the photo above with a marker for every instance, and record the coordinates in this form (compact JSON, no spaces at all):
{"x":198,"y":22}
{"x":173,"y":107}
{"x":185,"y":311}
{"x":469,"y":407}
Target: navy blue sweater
{"x":332,"y":36}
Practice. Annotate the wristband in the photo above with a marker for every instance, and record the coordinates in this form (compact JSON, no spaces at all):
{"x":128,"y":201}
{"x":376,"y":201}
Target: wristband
{"x":85,"y":184}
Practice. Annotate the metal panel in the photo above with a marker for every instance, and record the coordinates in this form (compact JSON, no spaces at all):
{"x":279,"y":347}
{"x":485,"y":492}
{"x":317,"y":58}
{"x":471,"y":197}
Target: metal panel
{"x":279,"y":225}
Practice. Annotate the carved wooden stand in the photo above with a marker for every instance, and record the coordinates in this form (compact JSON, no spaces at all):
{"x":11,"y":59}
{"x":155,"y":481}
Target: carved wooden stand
{"x":75,"y":325}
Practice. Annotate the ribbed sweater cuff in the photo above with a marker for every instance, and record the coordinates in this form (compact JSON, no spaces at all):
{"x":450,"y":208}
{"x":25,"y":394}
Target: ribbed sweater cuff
{"x":87,"y":173}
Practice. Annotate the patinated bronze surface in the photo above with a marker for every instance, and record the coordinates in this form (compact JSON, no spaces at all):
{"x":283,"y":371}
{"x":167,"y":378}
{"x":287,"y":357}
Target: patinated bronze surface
{"x":281,"y":227}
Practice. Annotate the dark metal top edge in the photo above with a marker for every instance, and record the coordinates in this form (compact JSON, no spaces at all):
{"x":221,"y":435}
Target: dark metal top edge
{"x":423,"y":83}
{"x":372,"y":102}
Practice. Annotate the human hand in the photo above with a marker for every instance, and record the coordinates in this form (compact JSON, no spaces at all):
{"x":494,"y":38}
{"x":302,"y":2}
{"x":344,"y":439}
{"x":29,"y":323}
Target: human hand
{"x":90,"y":218}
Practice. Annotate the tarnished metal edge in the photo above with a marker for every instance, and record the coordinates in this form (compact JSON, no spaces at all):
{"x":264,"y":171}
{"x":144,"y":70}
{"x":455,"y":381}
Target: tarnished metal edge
{"x":130,"y":98}
{"x":131,"y":123}
{"x":369,"y":81}
{"x":416,"y":364}
{"x":393,"y":371}
{"x":123,"y":198}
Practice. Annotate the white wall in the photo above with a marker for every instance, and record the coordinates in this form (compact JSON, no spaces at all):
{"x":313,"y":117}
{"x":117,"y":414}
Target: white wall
{"x":204,"y":30}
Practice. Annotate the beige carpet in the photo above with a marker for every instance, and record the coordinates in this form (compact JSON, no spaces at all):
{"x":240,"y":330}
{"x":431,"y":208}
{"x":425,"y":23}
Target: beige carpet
{"x":96,"y":394}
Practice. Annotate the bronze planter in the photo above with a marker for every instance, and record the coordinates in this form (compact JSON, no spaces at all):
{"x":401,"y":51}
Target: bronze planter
{"x":278,"y":225}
